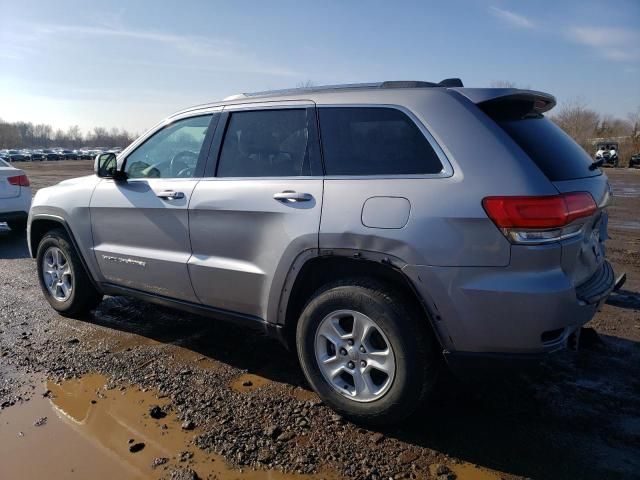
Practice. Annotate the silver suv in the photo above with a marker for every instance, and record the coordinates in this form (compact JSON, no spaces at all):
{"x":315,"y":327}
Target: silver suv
{"x":375,"y":228}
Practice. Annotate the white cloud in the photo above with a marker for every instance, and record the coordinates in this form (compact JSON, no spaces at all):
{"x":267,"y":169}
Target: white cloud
{"x":611,"y":42}
{"x":511,"y":18}
{"x":211,"y":54}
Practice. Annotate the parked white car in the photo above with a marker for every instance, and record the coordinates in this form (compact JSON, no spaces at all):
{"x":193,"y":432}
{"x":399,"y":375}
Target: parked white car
{"x":15,"y":196}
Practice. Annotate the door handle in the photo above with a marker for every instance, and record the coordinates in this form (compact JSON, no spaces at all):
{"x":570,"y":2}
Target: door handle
{"x":170,"y":195}
{"x":291,"y":196}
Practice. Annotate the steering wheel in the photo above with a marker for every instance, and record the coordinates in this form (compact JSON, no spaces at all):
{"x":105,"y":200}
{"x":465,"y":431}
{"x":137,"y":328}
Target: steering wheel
{"x":180,"y":164}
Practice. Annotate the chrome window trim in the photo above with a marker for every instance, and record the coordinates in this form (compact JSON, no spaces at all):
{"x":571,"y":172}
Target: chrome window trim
{"x":274,"y":105}
{"x":121,"y":158}
{"x":159,"y":179}
{"x":306,"y":177}
{"x":447,"y":169}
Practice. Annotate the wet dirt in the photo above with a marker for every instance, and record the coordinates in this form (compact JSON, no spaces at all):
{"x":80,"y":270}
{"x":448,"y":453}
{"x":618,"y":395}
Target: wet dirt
{"x":249,"y":382}
{"x":90,"y":429}
{"x":625,"y":183}
{"x":467,"y":471}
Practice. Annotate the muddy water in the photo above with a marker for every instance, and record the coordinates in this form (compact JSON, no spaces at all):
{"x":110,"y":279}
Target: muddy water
{"x":467,"y":471}
{"x":626,"y":225}
{"x":625,"y":186}
{"x":89,"y":431}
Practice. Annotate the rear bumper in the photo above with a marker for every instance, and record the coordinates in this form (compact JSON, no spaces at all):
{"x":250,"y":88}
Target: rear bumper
{"x":16,"y":208}
{"x":490,"y":315}
{"x":598,"y":287}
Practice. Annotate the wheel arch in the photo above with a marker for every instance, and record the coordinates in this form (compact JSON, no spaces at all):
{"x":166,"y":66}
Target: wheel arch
{"x":41,"y":224}
{"x":319,"y":270}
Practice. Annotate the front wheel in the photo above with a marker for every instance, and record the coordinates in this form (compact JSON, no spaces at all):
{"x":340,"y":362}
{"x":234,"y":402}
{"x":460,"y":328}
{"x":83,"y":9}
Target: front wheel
{"x":367,"y":354}
{"x":63,"y":280}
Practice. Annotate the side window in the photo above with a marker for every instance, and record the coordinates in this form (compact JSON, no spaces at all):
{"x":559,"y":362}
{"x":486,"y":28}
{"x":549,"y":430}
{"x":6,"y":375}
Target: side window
{"x":374,"y":141}
{"x":171,"y":152}
{"x":266,"y":143}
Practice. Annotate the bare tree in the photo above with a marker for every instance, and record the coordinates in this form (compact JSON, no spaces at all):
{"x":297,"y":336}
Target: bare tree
{"x":508,"y":84}
{"x":74,"y":136}
{"x":26,"y":134}
{"x":503,"y":84}
{"x":306,"y":84}
{"x":579,"y":121}
{"x":9,"y":135}
{"x":634,"y":121}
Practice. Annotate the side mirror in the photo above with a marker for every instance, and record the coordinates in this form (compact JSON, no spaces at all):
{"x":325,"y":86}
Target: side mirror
{"x":105,"y":165}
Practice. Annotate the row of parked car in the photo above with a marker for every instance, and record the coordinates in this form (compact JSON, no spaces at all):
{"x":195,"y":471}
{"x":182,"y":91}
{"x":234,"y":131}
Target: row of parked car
{"x":52,"y":154}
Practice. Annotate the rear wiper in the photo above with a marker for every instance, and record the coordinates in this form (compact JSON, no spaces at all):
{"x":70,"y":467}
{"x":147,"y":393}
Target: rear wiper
{"x":596,"y":164}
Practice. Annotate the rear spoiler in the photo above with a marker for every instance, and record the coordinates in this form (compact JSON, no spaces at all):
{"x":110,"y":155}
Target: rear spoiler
{"x":501,"y":101}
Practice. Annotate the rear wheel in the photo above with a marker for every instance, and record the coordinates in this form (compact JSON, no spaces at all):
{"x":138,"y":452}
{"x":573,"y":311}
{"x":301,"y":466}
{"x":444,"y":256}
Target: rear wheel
{"x":63,"y":280}
{"x":367,"y":353}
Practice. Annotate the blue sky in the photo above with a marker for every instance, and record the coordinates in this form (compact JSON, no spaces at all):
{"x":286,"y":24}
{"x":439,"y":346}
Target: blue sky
{"x":130,"y":63}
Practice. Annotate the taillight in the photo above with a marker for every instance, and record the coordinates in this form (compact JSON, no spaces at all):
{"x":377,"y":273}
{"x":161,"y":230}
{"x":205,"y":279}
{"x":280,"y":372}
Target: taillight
{"x":19,"y":181}
{"x":540,"y":219}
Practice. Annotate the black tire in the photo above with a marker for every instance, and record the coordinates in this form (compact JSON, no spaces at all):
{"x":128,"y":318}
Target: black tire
{"x":406,"y":328}
{"x":84,"y":297}
{"x":17,"y":226}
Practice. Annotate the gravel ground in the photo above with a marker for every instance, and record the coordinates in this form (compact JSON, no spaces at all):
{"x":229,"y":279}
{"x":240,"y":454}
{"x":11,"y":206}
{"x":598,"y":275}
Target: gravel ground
{"x":577,"y":416}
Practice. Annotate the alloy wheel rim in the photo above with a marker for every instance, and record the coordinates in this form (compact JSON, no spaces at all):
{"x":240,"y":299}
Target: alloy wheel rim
{"x":57,"y":274}
{"x":354,"y":355}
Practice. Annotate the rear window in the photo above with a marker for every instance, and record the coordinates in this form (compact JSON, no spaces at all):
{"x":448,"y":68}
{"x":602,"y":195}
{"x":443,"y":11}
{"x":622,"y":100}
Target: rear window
{"x":553,"y":151}
{"x":374,"y":141}
{"x":3,"y":163}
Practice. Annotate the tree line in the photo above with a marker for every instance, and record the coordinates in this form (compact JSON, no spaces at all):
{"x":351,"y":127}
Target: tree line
{"x":588,"y":127}
{"x":30,"y":135}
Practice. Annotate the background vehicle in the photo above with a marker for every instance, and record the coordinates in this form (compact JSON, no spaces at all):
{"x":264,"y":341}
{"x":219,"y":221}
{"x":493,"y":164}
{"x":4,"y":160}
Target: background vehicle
{"x":18,"y":156}
{"x":52,"y":155}
{"x":15,"y":196}
{"x":634,"y":161}
{"x":608,"y":153}
{"x":38,"y":155}
{"x":69,"y":154}
{"x":344,"y":228}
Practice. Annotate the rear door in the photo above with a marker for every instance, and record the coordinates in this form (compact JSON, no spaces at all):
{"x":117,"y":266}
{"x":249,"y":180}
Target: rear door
{"x":258,"y":206}
{"x":140,"y":226}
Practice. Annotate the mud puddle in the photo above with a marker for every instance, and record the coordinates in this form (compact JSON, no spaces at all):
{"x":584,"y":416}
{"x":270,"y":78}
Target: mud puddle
{"x":626,"y":224}
{"x":468,"y":471}
{"x":81,"y":429}
{"x":624,"y":189}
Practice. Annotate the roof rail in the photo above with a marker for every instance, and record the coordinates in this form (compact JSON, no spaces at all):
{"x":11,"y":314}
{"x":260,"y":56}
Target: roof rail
{"x":448,"y":82}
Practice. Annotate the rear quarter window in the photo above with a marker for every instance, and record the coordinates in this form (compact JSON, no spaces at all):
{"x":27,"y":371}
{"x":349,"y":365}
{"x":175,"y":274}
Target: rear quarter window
{"x":374,"y":141}
{"x":552,"y":150}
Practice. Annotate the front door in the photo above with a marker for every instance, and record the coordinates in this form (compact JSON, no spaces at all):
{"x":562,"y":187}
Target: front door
{"x":141,"y":225}
{"x":258,"y":206}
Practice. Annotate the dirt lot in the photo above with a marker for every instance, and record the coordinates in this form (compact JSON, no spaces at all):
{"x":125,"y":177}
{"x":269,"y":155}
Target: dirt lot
{"x":76,"y":396}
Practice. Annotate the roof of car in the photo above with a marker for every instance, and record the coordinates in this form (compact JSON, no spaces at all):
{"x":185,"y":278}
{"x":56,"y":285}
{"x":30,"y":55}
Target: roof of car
{"x":301,"y":92}
{"x":378,"y":89}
